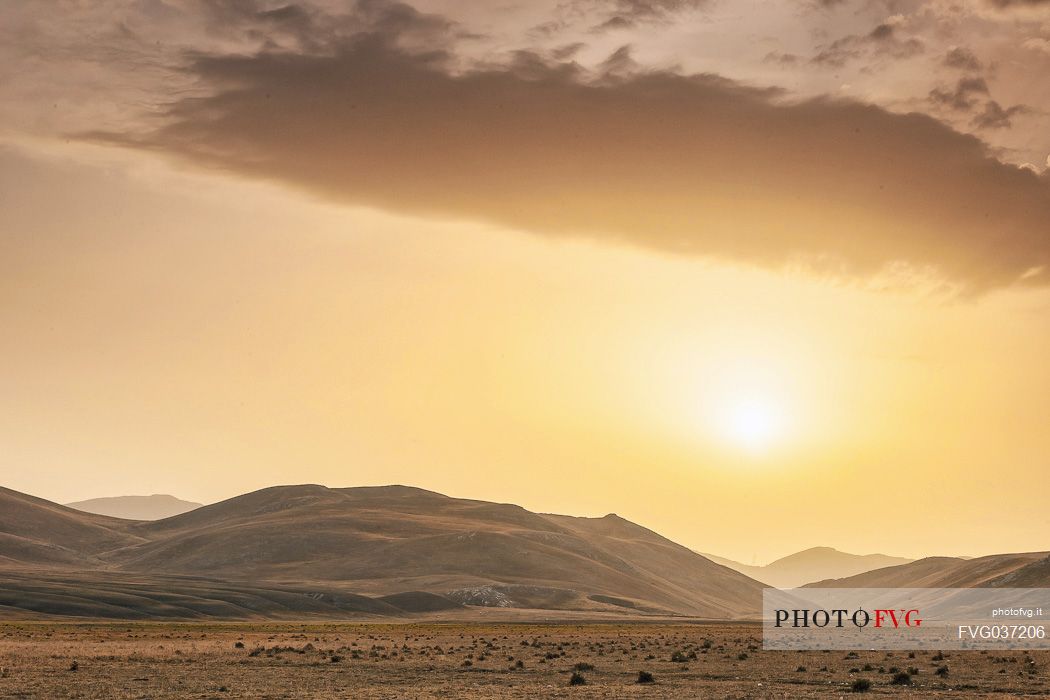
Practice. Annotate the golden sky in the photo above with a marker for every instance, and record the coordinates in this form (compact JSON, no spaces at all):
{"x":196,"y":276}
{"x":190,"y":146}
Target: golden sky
{"x":757,"y":275}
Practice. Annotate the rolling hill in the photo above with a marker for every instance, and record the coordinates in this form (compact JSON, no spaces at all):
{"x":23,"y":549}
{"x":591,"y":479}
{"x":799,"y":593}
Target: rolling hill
{"x":1022,"y":570}
{"x":810,"y":565}
{"x":155,"y":507}
{"x":431,"y":551}
{"x":35,"y":532}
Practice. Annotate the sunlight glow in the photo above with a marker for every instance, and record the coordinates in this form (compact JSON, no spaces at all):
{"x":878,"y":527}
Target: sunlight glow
{"x":754,"y":423}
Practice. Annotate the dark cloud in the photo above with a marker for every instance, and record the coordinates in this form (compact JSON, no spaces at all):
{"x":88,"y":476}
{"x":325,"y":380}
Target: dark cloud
{"x":995,"y":116}
{"x":963,"y":97}
{"x":686,"y":164}
{"x":970,"y":92}
{"x":881,"y":42}
{"x":784,"y":59}
{"x":654,"y":9}
{"x":963,"y":59}
{"x":626,"y":14}
{"x":615,"y":22}
{"x":1005,"y":4}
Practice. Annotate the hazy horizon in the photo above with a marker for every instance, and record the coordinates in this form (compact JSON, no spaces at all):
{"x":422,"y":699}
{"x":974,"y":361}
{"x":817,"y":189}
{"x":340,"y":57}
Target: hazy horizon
{"x":757,"y":277}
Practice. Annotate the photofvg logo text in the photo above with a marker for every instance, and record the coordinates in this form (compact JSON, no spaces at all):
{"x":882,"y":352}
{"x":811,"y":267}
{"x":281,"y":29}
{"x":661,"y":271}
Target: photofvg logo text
{"x":879,"y":617}
{"x":906,"y":618}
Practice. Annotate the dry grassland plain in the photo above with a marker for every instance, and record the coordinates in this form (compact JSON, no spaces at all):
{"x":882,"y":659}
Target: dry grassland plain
{"x":466,"y":660}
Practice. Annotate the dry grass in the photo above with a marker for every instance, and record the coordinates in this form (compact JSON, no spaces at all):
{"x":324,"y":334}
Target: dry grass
{"x":155,"y":660}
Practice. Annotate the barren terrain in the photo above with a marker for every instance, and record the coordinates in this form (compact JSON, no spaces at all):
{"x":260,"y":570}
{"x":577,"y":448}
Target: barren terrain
{"x":453,"y":660}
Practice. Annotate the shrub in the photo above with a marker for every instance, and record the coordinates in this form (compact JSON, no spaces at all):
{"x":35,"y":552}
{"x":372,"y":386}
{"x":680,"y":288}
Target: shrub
{"x":645,"y":677}
{"x":238,"y":645}
{"x":861,"y":685}
{"x":800,"y":669}
{"x":742,"y":656}
{"x":74,"y":666}
{"x":577,"y":679}
{"x":942,"y":671}
{"x":901,"y":678}
{"x":679,"y":657}
{"x":584,"y":666}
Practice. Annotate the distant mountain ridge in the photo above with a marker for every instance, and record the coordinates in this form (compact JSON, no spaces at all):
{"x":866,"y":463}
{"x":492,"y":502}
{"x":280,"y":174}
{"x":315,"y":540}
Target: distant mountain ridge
{"x":299,"y":552}
{"x":811,"y":565}
{"x":155,"y":507}
{"x":1021,"y":570}
{"x":398,"y":545}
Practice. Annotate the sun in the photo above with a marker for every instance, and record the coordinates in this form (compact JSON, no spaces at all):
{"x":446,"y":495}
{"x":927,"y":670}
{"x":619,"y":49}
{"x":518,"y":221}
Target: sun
{"x":754,"y":423}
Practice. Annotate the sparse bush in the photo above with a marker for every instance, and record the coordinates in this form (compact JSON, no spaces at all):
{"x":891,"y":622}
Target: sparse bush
{"x":901,"y":678}
{"x":336,"y":658}
{"x":74,"y":666}
{"x":742,"y":656}
{"x":645,"y":677}
{"x":577,"y":679}
{"x":800,"y":669}
{"x":942,"y":671}
{"x":679,"y":657}
{"x":861,"y":685}
{"x":238,"y":645}
{"x":519,"y":664}
{"x":584,"y":666}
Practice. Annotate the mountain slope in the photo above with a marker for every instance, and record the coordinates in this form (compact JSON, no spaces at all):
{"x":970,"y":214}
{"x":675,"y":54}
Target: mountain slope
{"x":1029,"y":569}
{"x":155,"y":507}
{"x":811,"y":565}
{"x":396,"y":539}
{"x":149,"y":597}
{"x":389,"y":539}
{"x":669,"y":566}
{"x":35,"y":532}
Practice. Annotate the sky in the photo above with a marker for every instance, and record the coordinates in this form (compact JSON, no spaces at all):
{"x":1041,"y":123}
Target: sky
{"x":759,"y":276}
